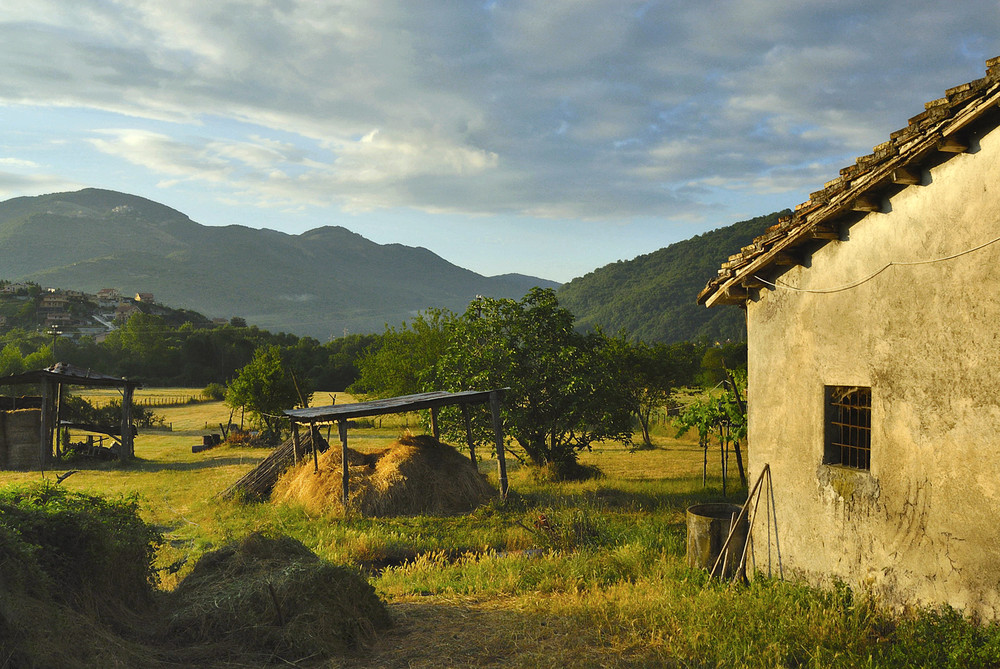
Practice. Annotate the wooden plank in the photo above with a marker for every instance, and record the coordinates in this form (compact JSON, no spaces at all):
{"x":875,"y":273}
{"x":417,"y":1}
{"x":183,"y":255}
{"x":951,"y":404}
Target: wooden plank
{"x":386,"y":406}
{"x":434,"y":424}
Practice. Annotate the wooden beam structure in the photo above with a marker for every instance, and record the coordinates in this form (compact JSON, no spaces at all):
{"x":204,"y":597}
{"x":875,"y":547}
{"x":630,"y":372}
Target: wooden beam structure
{"x":52,"y":380}
{"x":341,"y":413}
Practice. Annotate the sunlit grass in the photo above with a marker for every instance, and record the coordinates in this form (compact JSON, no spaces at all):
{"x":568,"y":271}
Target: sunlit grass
{"x":602,"y":581}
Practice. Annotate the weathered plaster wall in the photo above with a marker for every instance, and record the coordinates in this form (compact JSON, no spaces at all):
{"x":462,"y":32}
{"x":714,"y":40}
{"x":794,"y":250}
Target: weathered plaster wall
{"x":924,"y":524}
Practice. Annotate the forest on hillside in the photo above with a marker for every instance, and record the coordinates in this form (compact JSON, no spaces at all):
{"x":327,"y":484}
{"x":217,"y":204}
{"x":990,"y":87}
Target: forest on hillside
{"x":652,"y":297}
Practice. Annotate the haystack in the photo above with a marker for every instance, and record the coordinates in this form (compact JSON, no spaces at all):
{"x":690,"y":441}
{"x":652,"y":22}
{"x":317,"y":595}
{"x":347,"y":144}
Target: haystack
{"x":275,"y":596}
{"x":416,"y":475}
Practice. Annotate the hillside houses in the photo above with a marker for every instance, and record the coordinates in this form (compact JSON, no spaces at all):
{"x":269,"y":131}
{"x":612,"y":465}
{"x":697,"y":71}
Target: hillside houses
{"x":73,"y":313}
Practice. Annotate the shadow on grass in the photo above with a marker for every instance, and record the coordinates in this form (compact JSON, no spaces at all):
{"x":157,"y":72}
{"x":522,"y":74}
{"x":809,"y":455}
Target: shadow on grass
{"x":150,"y":466}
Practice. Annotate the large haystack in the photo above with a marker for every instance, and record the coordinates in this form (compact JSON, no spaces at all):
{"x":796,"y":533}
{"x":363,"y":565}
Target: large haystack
{"x":274,"y":596}
{"x":416,"y":475}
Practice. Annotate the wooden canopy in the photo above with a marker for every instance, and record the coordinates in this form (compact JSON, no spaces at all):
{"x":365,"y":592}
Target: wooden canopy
{"x":52,"y":379}
{"x":340,"y":414}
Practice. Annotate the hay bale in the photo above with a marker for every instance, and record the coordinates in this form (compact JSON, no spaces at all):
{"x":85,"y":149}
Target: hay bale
{"x":274,"y":596}
{"x":416,"y":475}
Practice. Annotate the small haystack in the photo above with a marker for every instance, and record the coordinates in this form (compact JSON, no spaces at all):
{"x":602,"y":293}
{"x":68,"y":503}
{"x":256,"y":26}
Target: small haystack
{"x":274,"y":596}
{"x":416,"y":475}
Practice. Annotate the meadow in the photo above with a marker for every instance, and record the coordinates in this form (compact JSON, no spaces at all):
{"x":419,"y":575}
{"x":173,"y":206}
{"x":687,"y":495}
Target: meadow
{"x":582,"y":574}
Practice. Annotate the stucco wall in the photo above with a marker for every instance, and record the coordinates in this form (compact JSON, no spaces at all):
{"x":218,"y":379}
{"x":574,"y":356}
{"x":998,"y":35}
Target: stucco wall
{"x":924,"y":525}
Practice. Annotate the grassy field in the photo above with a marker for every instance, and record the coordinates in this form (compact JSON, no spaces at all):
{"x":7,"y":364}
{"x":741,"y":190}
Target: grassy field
{"x":605,"y":584}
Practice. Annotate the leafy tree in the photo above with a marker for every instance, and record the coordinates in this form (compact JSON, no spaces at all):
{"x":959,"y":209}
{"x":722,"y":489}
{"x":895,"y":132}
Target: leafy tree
{"x":565,"y":388}
{"x":11,"y":361}
{"x":653,"y":371}
{"x":264,"y":387}
{"x":404,"y":362}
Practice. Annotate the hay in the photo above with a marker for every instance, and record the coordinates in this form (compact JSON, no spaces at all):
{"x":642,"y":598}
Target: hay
{"x":416,"y":475}
{"x":274,"y":596}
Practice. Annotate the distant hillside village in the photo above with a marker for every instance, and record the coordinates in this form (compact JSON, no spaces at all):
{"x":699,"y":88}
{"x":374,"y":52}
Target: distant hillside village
{"x":74,"y":314}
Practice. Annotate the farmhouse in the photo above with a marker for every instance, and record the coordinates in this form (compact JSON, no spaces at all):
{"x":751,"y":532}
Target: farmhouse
{"x":874,"y":343}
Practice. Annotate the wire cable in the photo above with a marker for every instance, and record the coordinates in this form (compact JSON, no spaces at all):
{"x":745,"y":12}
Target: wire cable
{"x":855,"y":284}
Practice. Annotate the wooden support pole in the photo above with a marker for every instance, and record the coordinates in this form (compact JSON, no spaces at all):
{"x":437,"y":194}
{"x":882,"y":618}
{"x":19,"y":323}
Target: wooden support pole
{"x":128,"y":440}
{"x":296,"y":444}
{"x":342,"y":428}
{"x":59,"y":403}
{"x":314,"y":434}
{"x":44,"y":443}
{"x":434,"y":424}
{"x":468,"y":433}
{"x":498,"y":435}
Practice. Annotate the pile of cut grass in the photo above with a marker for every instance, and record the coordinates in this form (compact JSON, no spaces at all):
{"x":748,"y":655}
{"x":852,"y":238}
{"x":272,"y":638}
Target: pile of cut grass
{"x":272,"y":597}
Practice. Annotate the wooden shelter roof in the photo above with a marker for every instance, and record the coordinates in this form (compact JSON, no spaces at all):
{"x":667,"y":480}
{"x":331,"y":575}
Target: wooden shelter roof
{"x":945,"y":128}
{"x":64,"y":373}
{"x":431,"y":400}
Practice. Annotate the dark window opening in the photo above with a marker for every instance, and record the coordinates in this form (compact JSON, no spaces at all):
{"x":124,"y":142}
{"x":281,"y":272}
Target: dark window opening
{"x":848,"y":427}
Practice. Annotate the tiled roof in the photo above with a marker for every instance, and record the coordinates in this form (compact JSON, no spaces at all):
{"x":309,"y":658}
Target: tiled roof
{"x":941,"y":131}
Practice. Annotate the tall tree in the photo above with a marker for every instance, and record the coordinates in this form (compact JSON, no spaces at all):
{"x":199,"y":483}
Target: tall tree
{"x":565,"y":390}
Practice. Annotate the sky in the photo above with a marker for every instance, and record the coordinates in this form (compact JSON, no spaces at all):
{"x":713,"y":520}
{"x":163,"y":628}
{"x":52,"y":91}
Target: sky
{"x":544,"y":137}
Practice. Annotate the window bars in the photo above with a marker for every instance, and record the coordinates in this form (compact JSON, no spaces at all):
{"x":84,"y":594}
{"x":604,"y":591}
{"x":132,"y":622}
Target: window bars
{"x":849,"y":427}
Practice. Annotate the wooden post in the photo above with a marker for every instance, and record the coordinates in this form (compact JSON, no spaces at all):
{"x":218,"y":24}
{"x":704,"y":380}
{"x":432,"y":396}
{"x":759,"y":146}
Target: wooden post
{"x":434,"y":424}
{"x":468,"y":433}
{"x":59,"y":402}
{"x":342,"y":428}
{"x":314,"y":435}
{"x":498,"y":435}
{"x":128,"y":441}
{"x":44,"y":443}
{"x":296,"y":445}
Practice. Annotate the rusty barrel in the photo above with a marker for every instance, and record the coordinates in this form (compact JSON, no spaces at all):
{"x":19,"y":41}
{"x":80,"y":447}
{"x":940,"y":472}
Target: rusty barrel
{"x":708,"y":525}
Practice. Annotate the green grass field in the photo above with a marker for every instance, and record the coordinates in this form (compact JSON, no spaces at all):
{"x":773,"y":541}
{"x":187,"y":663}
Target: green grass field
{"x":606,"y":585}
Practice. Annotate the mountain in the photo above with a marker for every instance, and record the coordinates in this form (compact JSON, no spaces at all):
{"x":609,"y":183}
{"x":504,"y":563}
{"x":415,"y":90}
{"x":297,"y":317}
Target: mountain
{"x":320,"y":283}
{"x":652,"y":297}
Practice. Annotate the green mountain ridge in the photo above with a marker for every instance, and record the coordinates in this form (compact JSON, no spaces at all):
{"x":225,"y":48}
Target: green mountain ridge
{"x":652,"y":297}
{"x":321,"y":283}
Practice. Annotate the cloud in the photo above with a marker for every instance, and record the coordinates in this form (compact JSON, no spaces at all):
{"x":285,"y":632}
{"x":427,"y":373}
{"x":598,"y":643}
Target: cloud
{"x":547,"y":108}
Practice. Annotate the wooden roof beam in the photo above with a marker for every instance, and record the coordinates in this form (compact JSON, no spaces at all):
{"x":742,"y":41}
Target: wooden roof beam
{"x":788,"y":258}
{"x":824,"y":232}
{"x":866,"y":203}
{"x":907,"y":176}
{"x":952,"y":145}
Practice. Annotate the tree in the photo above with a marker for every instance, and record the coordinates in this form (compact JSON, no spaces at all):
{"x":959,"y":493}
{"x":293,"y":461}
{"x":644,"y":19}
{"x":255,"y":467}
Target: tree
{"x":565,"y":388}
{"x":264,"y":388}
{"x":405,"y":361}
{"x":652,"y":372}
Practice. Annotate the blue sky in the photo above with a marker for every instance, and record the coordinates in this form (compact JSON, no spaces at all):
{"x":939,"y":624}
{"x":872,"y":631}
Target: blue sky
{"x":544,"y":137}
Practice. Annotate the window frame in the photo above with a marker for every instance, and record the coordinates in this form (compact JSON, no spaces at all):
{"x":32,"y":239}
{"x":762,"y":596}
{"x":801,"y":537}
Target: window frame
{"x":848,"y":427}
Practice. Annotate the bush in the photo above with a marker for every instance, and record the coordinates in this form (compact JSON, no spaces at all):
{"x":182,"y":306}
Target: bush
{"x":214,"y":391}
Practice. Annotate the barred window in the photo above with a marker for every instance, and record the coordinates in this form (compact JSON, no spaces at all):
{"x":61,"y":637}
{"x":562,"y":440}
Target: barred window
{"x":848,"y":426}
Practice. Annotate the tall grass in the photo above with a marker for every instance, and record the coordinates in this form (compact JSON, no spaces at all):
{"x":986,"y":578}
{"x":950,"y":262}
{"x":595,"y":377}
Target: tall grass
{"x":558,"y":574}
